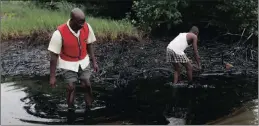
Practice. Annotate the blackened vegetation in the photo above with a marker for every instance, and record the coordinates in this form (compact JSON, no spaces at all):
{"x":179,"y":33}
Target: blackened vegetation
{"x":127,"y":58}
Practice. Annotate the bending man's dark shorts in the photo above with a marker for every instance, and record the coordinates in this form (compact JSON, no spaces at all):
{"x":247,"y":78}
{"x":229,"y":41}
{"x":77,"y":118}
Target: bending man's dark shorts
{"x":72,"y":76}
{"x":172,"y":57}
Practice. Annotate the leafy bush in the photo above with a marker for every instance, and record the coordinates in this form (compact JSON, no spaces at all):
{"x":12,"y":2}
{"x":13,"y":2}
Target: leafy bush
{"x":152,"y":14}
{"x":241,"y":14}
{"x":225,"y":15}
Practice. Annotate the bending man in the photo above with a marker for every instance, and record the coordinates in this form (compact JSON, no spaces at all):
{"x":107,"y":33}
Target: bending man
{"x":176,"y":55}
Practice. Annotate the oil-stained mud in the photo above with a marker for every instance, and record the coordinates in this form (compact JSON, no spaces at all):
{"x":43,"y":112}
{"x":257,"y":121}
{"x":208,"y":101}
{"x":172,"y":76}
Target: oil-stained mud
{"x":132,"y":88}
{"x":125,"y":58}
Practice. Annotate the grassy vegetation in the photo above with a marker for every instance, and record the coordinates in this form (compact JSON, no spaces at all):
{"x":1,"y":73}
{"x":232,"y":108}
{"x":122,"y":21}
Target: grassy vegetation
{"x":20,"y":19}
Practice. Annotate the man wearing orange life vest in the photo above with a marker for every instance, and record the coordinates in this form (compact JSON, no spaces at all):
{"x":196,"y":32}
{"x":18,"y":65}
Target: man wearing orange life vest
{"x":71,"y":49}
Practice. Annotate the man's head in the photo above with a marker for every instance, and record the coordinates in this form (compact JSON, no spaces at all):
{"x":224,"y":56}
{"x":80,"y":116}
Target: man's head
{"x":77,"y":19}
{"x":195,"y":30}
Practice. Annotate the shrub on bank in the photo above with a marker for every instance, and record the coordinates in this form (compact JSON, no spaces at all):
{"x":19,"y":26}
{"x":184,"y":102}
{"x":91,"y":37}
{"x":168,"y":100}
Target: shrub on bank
{"x":22,"y":19}
{"x":227,"y":15}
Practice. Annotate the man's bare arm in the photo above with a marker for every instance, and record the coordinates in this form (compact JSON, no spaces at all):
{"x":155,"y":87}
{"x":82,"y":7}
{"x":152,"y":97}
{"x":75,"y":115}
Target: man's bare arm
{"x":53,"y":64}
{"x":195,"y":50}
{"x":91,"y":52}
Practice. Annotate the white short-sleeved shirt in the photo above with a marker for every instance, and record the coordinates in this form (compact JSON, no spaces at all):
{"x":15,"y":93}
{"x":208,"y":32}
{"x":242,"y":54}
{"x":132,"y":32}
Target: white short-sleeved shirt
{"x":56,"y":44}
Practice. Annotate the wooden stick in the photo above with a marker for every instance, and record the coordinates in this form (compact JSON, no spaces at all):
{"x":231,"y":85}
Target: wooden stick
{"x":248,"y":38}
{"x":242,"y":34}
{"x":246,"y":54}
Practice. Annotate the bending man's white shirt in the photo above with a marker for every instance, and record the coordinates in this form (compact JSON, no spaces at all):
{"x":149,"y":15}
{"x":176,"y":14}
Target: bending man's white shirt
{"x":179,"y":44}
{"x":55,"y":46}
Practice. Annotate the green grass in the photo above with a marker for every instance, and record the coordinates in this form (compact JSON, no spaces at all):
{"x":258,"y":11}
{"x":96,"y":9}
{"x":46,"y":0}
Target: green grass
{"x":24,"y":18}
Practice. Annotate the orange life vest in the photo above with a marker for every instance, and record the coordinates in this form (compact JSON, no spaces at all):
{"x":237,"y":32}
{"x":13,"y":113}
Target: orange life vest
{"x":73,"y":49}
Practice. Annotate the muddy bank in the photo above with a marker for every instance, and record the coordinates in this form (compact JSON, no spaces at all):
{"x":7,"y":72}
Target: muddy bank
{"x":132,"y":84}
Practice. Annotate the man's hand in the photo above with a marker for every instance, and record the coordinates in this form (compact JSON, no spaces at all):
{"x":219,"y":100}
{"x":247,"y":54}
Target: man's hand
{"x":199,"y":61}
{"x":96,"y":68}
{"x":196,"y":67}
{"x":52,"y":82}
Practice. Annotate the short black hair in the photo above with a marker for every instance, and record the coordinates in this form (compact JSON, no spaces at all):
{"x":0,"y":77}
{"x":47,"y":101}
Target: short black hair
{"x":74,"y":11}
{"x":194,"y":29}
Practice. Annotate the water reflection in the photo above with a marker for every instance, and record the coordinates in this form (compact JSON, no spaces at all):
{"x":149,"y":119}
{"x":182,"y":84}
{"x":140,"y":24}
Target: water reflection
{"x":246,"y":115}
{"x":12,"y":111}
{"x":142,"y":101}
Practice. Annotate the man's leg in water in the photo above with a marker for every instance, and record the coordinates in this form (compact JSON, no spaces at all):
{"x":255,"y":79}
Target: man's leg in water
{"x":86,"y":85}
{"x":176,"y":72}
{"x":70,"y":95}
{"x":188,"y":67}
{"x":70,"y":78}
{"x":88,"y":92}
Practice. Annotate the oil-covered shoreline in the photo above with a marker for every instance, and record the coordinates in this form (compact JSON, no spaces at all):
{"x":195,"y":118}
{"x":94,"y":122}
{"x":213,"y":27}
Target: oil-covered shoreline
{"x":133,"y":81}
